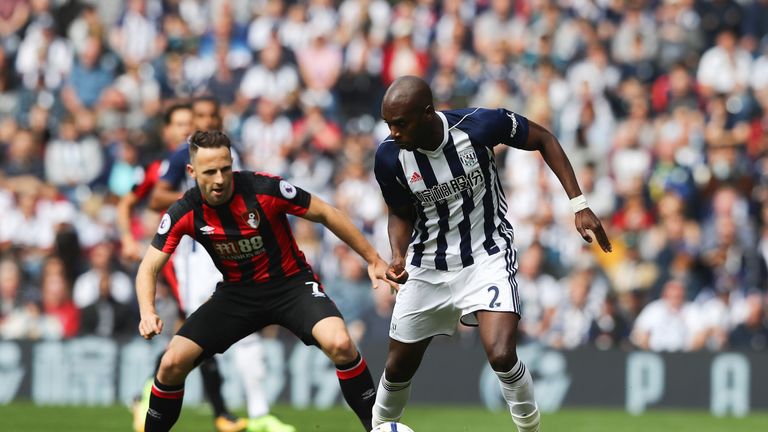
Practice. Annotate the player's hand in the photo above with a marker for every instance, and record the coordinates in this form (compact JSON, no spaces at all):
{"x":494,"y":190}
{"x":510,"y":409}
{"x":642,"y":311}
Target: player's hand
{"x":396,"y":271}
{"x":130,"y":249}
{"x":150,"y":326}
{"x":586,"y":220}
{"x":378,"y":271}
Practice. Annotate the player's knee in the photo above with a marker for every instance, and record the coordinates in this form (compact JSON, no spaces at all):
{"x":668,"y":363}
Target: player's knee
{"x":502,"y":358}
{"x":174,"y":367}
{"x":341,"y":349}
{"x":399,"y":371}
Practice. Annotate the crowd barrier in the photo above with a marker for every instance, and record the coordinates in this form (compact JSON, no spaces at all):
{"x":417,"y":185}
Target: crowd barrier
{"x":99,"y":371}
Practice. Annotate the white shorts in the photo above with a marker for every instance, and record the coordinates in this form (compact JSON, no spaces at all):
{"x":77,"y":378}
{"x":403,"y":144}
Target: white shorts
{"x":433,"y":302}
{"x":196,"y":274}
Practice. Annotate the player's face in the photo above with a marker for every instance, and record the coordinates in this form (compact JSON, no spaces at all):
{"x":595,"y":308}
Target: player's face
{"x":407,"y":124}
{"x":212,"y":170}
{"x":206,"y":116}
{"x":180,"y":126}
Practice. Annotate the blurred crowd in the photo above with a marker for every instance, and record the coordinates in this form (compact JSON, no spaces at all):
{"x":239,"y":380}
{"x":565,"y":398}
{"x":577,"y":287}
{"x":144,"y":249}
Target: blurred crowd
{"x":662,"y":106}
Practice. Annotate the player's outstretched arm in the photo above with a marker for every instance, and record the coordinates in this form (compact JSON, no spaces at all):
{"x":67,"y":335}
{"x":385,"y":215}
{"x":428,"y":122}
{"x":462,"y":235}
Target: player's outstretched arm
{"x":130,"y":249}
{"x":163,"y":196}
{"x":339,"y":224}
{"x":547,"y":144}
{"x":400,"y":229}
{"x":146,"y":285}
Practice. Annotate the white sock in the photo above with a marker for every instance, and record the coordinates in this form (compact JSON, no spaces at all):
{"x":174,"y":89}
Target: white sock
{"x":517,"y":387}
{"x":390,"y":401}
{"x":250,"y":365}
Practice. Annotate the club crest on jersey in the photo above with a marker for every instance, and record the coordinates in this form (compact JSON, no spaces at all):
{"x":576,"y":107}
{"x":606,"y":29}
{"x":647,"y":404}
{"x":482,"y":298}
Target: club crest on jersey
{"x":251,"y":217}
{"x":165,"y":224}
{"x":468,"y":157}
{"x":287,"y":189}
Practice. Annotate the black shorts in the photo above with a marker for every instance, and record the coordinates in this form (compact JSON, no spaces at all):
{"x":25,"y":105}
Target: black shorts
{"x":235,"y":311}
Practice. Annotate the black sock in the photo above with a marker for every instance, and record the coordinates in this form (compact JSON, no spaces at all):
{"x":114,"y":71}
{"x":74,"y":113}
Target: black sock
{"x":358,"y":389}
{"x":209,"y":370}
{"x":164,"y":407}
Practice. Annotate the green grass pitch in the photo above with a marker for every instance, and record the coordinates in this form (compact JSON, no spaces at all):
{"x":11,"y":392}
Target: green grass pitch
{"x":24,"y":417}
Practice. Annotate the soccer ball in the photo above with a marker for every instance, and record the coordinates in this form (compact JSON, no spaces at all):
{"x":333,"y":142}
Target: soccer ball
{"x":392,"y":427}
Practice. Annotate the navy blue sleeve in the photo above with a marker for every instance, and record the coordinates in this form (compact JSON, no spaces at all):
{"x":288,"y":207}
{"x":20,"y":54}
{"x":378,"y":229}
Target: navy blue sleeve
{"x":176,"y":170}
{"x":501,"y":126}
{"x":389,"y":175}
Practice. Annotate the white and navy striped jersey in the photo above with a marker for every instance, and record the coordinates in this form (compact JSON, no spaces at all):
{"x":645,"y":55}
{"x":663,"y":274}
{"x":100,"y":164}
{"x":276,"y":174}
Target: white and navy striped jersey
{"x":455,"y":189}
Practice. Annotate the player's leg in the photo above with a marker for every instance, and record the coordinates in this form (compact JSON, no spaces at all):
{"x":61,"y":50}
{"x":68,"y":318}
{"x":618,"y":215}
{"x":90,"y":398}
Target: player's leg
{"x":168,"y":388}
{"x":225,"y":421}
{"x":249,"y":360}
{"x":423,"y":308}
{"x":498,"y":333}
{"x":394,"y":389}
{"x":197,"y":276}
{"x":354,"y":377}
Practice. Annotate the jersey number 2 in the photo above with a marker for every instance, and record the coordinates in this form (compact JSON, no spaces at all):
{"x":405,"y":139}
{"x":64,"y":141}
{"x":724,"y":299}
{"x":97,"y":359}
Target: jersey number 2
{"x":494,"y":303}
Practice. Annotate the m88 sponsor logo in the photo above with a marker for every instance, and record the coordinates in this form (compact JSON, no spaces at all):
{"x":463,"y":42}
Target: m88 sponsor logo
{"x":239,"y":249}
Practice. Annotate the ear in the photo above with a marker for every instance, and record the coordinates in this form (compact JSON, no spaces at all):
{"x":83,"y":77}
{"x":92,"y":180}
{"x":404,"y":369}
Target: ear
{"x":191,"y":171}
{"x":429,"y":111}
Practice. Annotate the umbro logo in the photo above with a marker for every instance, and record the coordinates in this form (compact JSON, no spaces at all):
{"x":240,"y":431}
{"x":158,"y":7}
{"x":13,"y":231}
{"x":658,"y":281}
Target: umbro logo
{"x":207,"y":230}
{"x":415,"y":177}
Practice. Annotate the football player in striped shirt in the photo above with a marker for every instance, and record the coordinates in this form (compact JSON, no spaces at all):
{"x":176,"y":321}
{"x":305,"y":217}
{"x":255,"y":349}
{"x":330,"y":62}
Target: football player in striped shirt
{"x":240,"y":219}
{"x":452,"y":247}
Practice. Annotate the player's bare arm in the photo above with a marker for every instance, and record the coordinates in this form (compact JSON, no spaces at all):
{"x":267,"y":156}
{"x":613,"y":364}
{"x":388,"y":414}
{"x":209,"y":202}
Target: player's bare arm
{"x":400,"y":229}
{"x":547,"y":144}
{"x":339,"y":224}
{"x":163,"y":195}
{"x":146,"y":285}
{"x":130,"y":249}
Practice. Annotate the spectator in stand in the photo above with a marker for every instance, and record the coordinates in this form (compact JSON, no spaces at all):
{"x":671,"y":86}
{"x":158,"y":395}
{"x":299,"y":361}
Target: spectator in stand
{"x":320,"y":65}
{"x":267,"y":138}
{"x":28,"y":230}
{"x":724,"y":68}
{"x":135,"y":37}
{"x":11,"y":287}
{"x":107,"y":317}
{"x":92,"y":76}
{"x":102,"y":261}
{"x":667,"y":324}
{"x":573,"y":317}
{"x":273,"y":77}
{"x":44,"y":58}
{"x":56,"y":299}
{"x":609,"y":328}
{"x":73,"y":159}
{"x":753,"y":332}
{"x":23,"y":156}
{"x":543,"y":295}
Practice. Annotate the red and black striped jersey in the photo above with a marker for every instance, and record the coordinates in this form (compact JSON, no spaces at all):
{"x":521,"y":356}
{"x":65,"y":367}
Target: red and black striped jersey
{"x":151,"y":174}
{"x":249,"y":237}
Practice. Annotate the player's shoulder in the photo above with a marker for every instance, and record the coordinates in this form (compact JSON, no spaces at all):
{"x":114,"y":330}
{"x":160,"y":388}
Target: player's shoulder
{"x":473,"y":117}
{"x":265,"y":183}
{"x":387,"y":153}
{"x":191,"y":199}
{"x":182,"y":151}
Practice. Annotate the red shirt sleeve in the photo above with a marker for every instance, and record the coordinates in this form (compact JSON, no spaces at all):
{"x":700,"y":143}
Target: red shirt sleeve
{"x":173,"y":226}
{"x":286,"y":197}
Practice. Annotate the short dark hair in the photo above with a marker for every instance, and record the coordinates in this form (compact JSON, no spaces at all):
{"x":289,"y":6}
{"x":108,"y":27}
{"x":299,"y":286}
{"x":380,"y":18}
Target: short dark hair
{"x":207,"y":139}
{"x":207,"y":98}
{"x":168,"y":114}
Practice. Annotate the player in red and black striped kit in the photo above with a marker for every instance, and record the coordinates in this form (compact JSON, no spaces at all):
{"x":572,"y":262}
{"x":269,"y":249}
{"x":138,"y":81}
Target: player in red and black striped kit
{"x":240,"y":219}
